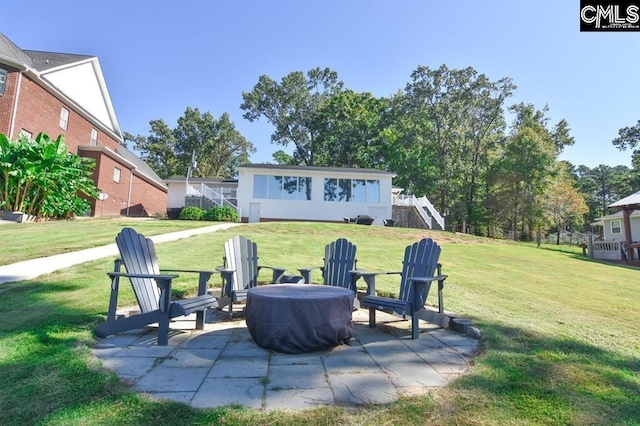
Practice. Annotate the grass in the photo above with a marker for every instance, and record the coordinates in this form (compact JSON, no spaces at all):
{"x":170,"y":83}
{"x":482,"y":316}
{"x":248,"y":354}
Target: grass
{"x":34,"y":240}
{"x":559,"y":346}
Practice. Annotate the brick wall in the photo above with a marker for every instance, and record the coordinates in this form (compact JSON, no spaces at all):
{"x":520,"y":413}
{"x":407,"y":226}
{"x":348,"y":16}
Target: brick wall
{"x":7,"y":100}
{"x":145,"y":198}
{"x":39,"y":111}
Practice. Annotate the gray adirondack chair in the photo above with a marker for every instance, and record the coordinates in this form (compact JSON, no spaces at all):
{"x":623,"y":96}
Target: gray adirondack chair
{"x":152,"y":289}
{"x":339,"y":266}
{"x":420,"y":269}
{"x":240,"y":271}
{"x":339,"y":261}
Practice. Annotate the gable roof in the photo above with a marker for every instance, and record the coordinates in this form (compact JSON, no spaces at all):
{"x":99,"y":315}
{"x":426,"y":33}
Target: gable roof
{"x":12,"y":52}
{"x":76,"y":80}
{"x":43,"y":61}
{"x":631,"y":200}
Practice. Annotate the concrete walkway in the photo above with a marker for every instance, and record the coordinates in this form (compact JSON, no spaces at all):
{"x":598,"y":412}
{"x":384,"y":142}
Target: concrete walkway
{"x":33,"y":268}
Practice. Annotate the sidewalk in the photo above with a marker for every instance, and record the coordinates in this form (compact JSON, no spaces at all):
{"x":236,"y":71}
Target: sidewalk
{"x":35,"y":267}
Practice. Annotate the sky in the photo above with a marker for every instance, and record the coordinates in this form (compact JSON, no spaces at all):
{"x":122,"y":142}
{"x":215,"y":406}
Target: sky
{"x":159,"y":57}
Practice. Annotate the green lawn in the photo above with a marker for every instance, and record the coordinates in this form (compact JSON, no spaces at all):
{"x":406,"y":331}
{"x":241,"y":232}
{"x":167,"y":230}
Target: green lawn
{"x":560,"y":344}
{"x":33,"y":240}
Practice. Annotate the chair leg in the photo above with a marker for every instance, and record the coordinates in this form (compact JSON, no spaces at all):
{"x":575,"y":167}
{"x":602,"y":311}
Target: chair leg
{"x":372,"y":317}
{"x":163,"y":330}
{"x":200,"y":319}
{"x":415,"y":330}
{"x":231,"y":308}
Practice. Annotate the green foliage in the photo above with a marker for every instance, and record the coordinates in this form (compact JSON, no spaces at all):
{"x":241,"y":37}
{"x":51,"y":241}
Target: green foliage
{"x":291,"y":106}
{"x":218,"y":146}
{"x":221,"y":214}
{"x":38,"y":177}
{"x":191,"y":213}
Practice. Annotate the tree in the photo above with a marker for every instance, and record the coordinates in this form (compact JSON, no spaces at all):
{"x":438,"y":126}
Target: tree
{"x":40,"y":178}
{"x":523,"y":172}
{"x":456,"y":122}
{"x":564,"y":205}
{"x":217,"y":145}
{"x":291,"y":107}
{"x":349,"y":129}
{"x":628,"y":137}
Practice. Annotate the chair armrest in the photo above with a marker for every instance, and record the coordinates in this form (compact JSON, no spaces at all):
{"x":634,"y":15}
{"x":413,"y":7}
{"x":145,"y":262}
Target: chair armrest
{"x":153,"y":276}
{"x":306,"y":273}
{"x":277,"y":272}
{"x":427,"y":279}
{"x":195,"y":271}
{"x":369,"y":278}
{"x":205,"y":275}
{"x":163,"y":281}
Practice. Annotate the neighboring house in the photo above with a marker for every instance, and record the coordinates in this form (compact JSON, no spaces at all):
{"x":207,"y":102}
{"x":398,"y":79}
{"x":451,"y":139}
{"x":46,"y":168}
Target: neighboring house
{"x":613,"y":228}
{"x":200,"y":192}
{"x":621,"y":231}
{"x":60,"y":93}
{"x":277,"y":192}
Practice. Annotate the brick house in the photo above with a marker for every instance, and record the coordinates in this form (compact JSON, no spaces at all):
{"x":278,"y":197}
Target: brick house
{"x":60,"y":93}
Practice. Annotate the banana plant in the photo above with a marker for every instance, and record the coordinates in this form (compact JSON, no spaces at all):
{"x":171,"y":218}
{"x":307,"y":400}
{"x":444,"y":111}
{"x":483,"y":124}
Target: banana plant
{"x":39,"y":177}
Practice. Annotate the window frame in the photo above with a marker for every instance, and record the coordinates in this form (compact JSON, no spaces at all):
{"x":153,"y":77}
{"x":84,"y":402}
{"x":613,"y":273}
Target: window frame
{"x":64,"y":118}
{"x":117,"y":174}
{"x":94,"y":137}
{"x":3,"y":80}
{"x":618,"y":226}
{"x":281,"y":187}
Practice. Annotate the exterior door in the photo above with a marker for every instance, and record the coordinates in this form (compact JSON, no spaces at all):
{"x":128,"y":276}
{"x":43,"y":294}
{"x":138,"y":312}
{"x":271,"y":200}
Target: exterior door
{"x":254,"y":212}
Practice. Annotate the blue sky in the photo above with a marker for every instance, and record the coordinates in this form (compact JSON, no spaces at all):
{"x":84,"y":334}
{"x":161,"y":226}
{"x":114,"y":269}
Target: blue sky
{"x":159,"y":57}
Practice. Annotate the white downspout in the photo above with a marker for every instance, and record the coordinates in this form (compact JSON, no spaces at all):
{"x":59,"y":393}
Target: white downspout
{"x":130,"y":186}
{"x":15,"y":106}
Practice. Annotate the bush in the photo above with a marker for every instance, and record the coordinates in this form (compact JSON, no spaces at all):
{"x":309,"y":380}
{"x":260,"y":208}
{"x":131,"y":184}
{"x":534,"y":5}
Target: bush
{"x":191,"y":213}
{"x":39,"y":177}
{"x":221,"y":214}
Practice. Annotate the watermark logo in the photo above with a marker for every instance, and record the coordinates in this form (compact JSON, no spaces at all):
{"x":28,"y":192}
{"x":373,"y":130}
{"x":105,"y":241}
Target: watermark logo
{"x":609,"y":16}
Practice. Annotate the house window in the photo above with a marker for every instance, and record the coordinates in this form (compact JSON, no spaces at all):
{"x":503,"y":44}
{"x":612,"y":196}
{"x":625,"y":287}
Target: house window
{"x":64,"y":118}
{"x":616,"y":226}
{"x":94,"y":137}
{"x":26,"y":133}
{"x":3,"y":80}
{"x":116,"y":174}
{"x":352,"y":190}
{"x":282,"y":187}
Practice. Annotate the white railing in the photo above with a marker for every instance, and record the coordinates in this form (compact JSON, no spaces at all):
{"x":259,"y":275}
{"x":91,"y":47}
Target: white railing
{"x":421,"y":204}
{"x":607,"y":250}
{"x":219,"y":196}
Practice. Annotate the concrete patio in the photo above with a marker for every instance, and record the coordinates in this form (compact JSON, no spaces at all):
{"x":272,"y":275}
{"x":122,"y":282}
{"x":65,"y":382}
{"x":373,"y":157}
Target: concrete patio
{"x":221,"y":365}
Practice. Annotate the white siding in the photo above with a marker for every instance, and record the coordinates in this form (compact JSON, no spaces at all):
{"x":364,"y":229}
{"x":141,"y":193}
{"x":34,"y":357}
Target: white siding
{"x":175,"y":194}
{"x":635,"y":229}
{"x":81,"y":83}
{"x":315,"y":209}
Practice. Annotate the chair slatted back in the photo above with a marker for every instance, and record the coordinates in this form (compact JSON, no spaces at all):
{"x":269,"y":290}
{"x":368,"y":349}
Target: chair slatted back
{"x":241,"y":254}
{"x":420,"y":260}
{"x":138,"y":255}
{"x":339,"y":259}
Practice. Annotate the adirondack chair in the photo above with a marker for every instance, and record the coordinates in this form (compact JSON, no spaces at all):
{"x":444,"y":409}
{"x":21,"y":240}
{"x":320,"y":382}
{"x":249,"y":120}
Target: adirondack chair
{"x":240,"y":271}
{"x":419,"y":268}
{"x":339,"y":263}
{"x":152,"y":289}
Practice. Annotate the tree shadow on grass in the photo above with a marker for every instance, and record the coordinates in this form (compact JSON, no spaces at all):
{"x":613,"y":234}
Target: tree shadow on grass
{"x":558,"y":380}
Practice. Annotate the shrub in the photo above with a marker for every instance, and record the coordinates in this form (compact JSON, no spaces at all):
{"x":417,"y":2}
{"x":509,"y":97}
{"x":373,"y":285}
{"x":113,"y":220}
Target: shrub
{"x":40,"y":178}
{"x":191,"y":213}
{"x":221,"y":214}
